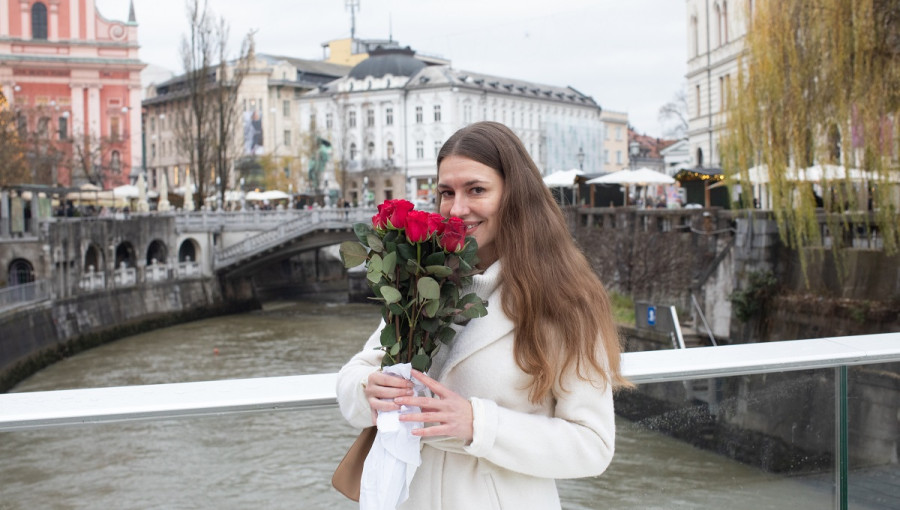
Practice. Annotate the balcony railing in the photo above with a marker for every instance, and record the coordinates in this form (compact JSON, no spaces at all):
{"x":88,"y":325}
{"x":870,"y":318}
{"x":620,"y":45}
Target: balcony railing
{"x":774,"y":385}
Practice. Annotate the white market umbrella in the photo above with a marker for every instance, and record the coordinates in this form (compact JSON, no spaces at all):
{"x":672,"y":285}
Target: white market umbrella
{"x":274,"y":195}
{"x":640,"y":177}
{"x":254,"y":195}
{"x":562,"y":178}
{"x":127,"y":191}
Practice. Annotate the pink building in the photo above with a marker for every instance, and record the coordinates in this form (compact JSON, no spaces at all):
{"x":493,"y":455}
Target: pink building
{"x":74,"y":79}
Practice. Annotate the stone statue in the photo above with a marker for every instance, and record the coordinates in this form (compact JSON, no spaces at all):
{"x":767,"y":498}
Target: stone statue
{"x":318,"y":161}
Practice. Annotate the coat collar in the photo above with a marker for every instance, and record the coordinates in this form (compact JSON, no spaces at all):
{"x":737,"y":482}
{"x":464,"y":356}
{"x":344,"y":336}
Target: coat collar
{"x":481,"y":332}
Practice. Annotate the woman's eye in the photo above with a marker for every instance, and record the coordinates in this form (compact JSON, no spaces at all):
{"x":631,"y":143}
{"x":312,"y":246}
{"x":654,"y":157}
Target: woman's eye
{"x":446,"y":193}
{"x":478,"y":190}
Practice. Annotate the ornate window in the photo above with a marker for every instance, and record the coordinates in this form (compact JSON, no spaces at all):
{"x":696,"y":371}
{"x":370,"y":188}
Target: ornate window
{"x":20,"y":272}
{"x":39,"y":21}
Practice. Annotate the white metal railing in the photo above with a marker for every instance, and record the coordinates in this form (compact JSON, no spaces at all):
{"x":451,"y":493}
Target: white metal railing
{"x":21,"y":411}
{"x":24,"y":293}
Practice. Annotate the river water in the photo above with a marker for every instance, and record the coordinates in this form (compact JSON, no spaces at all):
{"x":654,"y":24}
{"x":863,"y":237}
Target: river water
{"x":284,"y":460}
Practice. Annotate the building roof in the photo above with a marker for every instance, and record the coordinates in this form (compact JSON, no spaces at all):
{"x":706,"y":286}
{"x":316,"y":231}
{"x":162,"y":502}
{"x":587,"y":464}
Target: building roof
{"x":443,"y":75}
{"x":307,"y":66}
{"x":387,"y":61}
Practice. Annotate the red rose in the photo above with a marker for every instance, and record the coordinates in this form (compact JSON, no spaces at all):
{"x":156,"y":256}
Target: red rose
{"x":454,"y":237}
{"x":397,"y":218}
{"x":385,"y":209}
{"x":417,"y":226}
{"x":435,"y":224}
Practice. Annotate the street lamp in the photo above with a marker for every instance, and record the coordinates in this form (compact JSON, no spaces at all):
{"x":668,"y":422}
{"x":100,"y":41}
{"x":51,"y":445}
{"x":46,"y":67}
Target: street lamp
{"x":634,"y":149}
{"x":580,"y":157}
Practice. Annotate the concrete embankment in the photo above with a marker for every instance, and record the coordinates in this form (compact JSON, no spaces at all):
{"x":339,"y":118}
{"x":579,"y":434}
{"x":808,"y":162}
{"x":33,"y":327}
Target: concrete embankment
{"x":34,"y":337}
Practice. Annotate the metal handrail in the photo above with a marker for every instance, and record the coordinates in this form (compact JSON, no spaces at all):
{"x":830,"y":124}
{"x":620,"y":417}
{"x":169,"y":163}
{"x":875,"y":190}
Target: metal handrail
{"x":30,"y":292}
{"x":22,"y":411}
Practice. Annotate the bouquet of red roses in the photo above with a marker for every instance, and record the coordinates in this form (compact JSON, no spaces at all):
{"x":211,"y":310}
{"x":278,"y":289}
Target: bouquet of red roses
{"x":416,"y":264}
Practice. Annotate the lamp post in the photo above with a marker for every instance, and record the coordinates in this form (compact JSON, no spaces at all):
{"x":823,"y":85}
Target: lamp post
{"x":634,"y":149}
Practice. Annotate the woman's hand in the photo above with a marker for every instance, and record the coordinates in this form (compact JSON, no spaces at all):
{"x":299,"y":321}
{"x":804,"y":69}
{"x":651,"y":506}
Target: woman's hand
{"x":451,"y":413}
{"x":381,"y":390}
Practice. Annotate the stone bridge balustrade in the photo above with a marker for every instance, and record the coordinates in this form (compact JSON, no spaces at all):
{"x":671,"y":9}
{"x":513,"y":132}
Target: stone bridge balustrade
{"x":156,"y":272}
{"x":125,"y":276}
{"x":187,"y":269}
{"x":92,"y":280}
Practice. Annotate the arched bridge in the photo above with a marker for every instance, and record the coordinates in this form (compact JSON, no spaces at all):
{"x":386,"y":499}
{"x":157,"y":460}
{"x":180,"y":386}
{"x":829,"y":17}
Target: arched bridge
{"x":314,"y":229}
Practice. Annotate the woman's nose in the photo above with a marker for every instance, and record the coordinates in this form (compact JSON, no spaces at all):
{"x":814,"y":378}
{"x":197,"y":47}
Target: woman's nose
{"x":460,"y":207}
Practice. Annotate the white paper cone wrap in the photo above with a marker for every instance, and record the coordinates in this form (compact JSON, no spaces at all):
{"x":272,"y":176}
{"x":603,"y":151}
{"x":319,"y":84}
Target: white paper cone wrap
{"x":394,"y":457}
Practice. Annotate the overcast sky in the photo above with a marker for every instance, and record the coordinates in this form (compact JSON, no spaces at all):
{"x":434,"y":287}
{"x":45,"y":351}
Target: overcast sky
{"x":629,"y":55}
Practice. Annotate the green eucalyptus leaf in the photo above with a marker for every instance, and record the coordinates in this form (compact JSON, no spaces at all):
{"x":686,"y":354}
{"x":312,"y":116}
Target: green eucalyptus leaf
{"x":362,"y":231}
{"x":413,"y":267}
{"x":421,"y":362}
{"x":435,"y":259}
{"x":389,"y":263}
{"x":395,"y":349}
{"x":390,"y":294}
{"x":375,"y":242}
{"x":387,"y":336}
{"x":432,"y":307}
{"x":472,"y":306}
{"x":396,"y":309}
{"x":406,"y":251}
{"x":428,"y":288}
{"x":439,"y":271}
{"x":446,"y":335}
{"x":375,"y":263}
{"x":430,"y":324}
{"x":353,"y":254}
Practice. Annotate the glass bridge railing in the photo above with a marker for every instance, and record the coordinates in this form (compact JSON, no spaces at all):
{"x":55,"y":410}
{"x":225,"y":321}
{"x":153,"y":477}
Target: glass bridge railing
{"x":806,"y":424}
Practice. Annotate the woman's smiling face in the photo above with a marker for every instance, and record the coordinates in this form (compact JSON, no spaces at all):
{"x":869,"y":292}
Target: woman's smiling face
{"x":471,"y":191}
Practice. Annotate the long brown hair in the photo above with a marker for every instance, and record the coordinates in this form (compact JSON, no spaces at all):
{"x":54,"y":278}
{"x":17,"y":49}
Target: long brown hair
{"x":554,"y":298}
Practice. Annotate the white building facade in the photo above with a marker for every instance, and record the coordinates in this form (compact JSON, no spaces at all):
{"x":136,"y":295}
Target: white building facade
{"x":388,"y":118}
{"x":716,"y":30}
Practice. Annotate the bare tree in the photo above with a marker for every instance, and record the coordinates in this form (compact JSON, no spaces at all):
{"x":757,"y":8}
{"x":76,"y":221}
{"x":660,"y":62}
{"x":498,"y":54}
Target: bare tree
{"x":13,"y":165}
{"x":209,"y":117}
{"x":674,"y":115}
{"x":195,"y":128}
{"x":226,"y":112}
{"x":95,"y":158}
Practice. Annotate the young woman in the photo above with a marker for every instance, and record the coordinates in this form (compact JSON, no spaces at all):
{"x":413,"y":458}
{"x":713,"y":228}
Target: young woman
{"x":523,"y":395}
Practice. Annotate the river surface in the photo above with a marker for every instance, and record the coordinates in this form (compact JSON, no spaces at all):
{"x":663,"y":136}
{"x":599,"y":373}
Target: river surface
{"x":284,"y":460}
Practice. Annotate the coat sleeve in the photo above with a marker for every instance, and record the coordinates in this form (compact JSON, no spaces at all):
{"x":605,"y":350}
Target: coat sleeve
{"x":351,"y":399}
{"x":578,"y":440}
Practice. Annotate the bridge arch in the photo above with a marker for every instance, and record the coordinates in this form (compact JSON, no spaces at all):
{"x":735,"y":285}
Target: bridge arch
{"x":157,"y":250}
{"x":20,"y":271}
{"x":125,"y":255}
{"x":189,"y":250}
{"x":93,"y":256}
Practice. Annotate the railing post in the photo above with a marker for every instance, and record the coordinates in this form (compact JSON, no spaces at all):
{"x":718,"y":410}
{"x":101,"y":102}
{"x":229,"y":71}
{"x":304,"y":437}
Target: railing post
{"x":840,"y":438}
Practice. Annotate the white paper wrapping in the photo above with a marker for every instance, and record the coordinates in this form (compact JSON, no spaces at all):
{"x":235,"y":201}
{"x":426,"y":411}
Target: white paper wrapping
{"x":394,"y":457}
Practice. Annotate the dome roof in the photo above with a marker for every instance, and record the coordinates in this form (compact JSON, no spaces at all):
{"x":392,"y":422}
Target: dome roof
{"x":393,"y":61}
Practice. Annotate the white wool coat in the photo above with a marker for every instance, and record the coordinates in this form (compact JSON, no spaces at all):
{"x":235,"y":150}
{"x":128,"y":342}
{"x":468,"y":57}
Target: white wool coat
{"x":518,"y":448}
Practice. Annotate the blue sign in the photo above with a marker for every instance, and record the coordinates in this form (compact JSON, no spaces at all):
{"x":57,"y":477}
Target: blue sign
{"x":651,"y":315}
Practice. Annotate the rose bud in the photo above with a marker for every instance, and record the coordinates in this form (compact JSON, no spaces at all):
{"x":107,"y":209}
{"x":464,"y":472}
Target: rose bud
{"x":454,"y":237}
{"x":417,"y":226}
